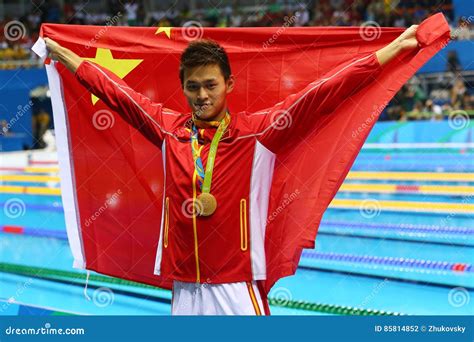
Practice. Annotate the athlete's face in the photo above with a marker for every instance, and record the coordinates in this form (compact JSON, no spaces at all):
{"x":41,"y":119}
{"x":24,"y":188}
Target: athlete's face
{"x":206,"y":90}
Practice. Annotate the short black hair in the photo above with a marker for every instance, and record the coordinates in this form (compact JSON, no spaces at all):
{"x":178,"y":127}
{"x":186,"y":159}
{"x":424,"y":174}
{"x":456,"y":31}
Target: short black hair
{"x":204,"y":52}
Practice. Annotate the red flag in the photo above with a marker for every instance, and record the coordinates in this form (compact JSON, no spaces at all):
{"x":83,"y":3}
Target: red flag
{"x":112,"y":176}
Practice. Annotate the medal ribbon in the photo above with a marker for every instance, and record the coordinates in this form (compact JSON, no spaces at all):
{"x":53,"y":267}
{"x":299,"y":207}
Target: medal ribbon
{"x":205,"y":177}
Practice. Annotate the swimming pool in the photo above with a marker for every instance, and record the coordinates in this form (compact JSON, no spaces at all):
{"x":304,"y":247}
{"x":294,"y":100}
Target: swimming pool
{"x":405,"y":249}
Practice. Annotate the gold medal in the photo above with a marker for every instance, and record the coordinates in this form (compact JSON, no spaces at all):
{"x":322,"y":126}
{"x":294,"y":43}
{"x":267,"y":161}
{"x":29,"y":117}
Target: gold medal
{"x":206,"y":204}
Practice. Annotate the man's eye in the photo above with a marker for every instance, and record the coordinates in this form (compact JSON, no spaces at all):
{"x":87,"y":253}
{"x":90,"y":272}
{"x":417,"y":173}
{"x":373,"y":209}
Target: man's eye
{"x":192,"y":87}
{"x":212,"y":86}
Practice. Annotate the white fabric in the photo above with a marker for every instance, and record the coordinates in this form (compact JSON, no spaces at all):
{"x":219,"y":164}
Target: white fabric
{"x":66,"y":169}
{"x":261,"y":180}
{"x":159,"y":252}
{"x":214,"y":299}
{"x":40,"y":49}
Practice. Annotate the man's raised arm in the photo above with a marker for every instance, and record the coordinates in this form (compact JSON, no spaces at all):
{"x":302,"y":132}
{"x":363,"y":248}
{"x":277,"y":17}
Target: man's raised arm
{"x":324,"y":95}
{"x":138,"y":110}
{"x":407,"y":40}
{"x":64,"y":55}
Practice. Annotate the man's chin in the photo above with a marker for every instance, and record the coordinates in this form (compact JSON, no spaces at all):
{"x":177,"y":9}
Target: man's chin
{"x":204,"y":115}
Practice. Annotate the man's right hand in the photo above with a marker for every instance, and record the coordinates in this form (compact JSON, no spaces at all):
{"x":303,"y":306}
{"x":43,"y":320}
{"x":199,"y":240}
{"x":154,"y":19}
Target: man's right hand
{"x":52,"y":47}
{"x":407,"y":40}
{"x":62,"y":54}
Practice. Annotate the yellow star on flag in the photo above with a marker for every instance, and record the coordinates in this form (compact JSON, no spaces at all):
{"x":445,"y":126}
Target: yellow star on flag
{"x":120,"y":67}
{"x":166,"y":30}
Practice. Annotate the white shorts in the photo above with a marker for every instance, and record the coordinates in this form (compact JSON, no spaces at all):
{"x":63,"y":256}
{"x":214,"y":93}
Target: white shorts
{"x":242,"y":298}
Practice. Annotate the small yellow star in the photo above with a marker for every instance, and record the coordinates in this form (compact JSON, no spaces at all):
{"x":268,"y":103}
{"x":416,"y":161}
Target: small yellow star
{"x":166,"y":30}
{"x":120,"y":67}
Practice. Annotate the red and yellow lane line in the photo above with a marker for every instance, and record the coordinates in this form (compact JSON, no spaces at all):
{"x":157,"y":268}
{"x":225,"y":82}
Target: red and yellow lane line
{"x":409,"y":189}
{"x":43,"y":162}
{"x":352,"y":188}
{"x":412,"y":176}
{"x":429,"y":207}
{"x":30,"y":190}
{"x":12,"y":229}
{"x":28,"y":178}
{"x":354,"y":175}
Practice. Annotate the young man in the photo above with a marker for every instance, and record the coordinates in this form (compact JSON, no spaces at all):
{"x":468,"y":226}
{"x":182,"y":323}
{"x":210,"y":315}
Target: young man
{"x":220,"y":163}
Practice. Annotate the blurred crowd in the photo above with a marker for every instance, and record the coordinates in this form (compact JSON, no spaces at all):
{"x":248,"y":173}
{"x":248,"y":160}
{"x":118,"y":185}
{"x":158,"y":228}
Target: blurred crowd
{"x":414,"y":101}
{"x":22,"y":31}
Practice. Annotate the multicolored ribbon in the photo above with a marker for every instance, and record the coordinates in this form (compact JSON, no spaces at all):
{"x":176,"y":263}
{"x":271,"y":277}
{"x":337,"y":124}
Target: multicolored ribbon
{"x":205,"y":176}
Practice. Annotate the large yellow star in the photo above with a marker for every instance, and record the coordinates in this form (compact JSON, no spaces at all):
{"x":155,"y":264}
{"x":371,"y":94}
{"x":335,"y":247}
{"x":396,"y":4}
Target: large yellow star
{"x":120,"y":67}
{"x":166,"y":30}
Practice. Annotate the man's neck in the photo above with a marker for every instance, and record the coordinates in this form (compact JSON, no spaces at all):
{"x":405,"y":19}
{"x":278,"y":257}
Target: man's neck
{"x":217,"y":118}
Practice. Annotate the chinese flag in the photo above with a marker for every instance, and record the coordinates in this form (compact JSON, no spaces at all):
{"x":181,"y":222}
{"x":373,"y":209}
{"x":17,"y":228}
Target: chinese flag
{"x":111,"y":176}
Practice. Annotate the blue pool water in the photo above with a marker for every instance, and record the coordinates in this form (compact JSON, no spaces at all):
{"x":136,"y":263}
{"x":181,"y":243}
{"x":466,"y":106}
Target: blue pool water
{"x":348,"y":282}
